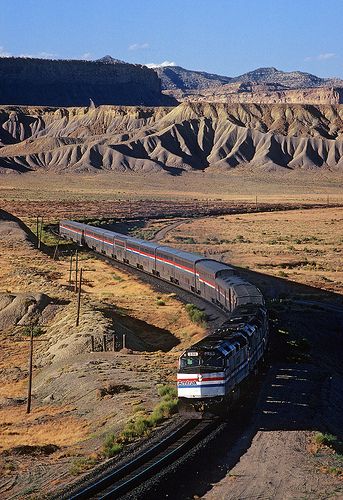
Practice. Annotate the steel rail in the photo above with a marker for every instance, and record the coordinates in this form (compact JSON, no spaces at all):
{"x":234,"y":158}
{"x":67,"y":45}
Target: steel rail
{"x":147,"y":464}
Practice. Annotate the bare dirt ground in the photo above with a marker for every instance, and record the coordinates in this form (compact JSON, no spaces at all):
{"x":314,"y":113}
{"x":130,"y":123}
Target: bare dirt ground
{"x":78,"y":396}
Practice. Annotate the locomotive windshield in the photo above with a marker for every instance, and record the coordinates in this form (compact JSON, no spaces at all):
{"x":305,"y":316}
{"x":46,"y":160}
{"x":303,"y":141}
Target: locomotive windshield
{"x":209,"y":359}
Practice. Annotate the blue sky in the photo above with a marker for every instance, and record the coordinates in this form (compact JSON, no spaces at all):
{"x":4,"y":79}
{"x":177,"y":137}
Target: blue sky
{"x":227,"y":37}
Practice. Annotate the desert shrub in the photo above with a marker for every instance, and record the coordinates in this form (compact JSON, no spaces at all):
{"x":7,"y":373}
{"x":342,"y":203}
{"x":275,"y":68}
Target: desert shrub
{"x":111,"y":446}
{"x":141,"y":424}
{"x":160,"y":302}
{"x":37,"y":331}
{"x":329,"y":440}
{"x":167,"y":390}
{"x":82,"y":464}
{"x":186,"y":240}
{"x":166,"y":407}
{"x":195,"y":314}
{"x":111,"y":389}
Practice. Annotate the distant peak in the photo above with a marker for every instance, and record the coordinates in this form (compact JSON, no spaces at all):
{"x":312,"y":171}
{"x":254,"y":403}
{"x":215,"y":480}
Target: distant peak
{"x":267,"y":70}
{"x":110,"y":60}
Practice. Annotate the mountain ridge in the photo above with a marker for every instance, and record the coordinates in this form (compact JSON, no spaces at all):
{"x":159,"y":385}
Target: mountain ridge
{"x":191,"y":79}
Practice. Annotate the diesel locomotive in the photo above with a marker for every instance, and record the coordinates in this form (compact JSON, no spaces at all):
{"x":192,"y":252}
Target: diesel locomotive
{"x":210,"y":372}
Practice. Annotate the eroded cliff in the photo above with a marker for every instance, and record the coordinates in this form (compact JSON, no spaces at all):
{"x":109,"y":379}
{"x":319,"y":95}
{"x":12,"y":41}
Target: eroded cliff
{"x":191,"y":136}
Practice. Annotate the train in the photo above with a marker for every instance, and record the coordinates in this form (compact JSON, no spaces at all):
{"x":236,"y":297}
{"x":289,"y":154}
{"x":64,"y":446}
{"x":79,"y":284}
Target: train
{"x":212,"y":371}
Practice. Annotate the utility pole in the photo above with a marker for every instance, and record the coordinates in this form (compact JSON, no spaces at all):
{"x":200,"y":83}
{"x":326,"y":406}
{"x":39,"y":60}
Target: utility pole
{"x":55,"y":257}
{"x":29,"y":390}
{"x":31,"y":328}
{"x":76,"y":268}
{"x":37,"y":231}
{"x":70,"y":268}
{"x":79,"y":301}
{"x":40,"y":232}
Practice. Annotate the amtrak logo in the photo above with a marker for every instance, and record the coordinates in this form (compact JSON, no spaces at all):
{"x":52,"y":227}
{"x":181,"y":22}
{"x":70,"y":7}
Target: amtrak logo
{"x":199,"y":378}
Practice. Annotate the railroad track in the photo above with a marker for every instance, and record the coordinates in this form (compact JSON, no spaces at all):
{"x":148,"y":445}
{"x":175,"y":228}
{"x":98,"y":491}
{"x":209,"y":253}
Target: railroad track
{"x":150,"y":462}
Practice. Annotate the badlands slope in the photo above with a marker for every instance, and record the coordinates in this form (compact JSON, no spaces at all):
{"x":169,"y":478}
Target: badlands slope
{"x":198,"y":136}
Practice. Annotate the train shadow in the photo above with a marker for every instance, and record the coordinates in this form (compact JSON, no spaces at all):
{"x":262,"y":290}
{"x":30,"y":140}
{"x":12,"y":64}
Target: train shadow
{"x":140,"y":335}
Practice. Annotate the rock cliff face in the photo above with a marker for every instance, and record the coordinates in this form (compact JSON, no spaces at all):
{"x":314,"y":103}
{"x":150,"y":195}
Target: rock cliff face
{"x":262,"y":94}
{"x":191,"y":136}
{"x":41,"y":82}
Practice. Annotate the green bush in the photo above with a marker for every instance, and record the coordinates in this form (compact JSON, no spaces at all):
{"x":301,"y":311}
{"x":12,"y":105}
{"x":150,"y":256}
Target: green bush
{"x":111,"y":446}
{"x":167,"y":390}
{"x":195,"y":314}
{"x":82,"y":464}
{"x":141,"y":424}
{"x":329,"y":440}
{"x":37,"y":331}
{"x":160,"y":302}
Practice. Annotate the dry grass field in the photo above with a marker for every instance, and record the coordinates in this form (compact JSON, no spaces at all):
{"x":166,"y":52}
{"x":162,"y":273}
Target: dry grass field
{"x":290,"y":186}
{"x":305,"y":246}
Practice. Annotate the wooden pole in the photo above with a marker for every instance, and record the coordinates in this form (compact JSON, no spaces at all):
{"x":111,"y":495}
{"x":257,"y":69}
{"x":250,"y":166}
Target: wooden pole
{"x":92,"y":343}
{"x":29,"y":390}
{"x":79,"y":301}
{"x":76,"y":268}
{"x":40,"y":232}
{"x":124,"y":341}
{"x":56,"y":249}
{"x":70,"y":268}
{"x":37,"y":230}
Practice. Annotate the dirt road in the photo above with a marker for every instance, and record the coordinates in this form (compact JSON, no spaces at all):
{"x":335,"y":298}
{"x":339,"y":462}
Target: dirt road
{"x":165,"y":230}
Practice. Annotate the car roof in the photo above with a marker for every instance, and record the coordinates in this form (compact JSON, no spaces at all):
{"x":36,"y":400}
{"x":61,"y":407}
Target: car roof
{"x":181,"y":254}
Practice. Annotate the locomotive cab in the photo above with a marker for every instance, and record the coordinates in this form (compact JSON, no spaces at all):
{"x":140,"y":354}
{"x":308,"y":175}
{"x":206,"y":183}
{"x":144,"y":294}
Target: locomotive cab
{"x":201,"y":361}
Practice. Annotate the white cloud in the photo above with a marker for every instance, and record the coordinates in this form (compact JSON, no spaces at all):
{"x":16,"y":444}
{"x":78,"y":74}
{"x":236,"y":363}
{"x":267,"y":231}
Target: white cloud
{"x":138,"y":46}
{"x":326,"y":55}
{"x":161,"y":65}
{"x":86,"y":56}
{"x":321,"y":57}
